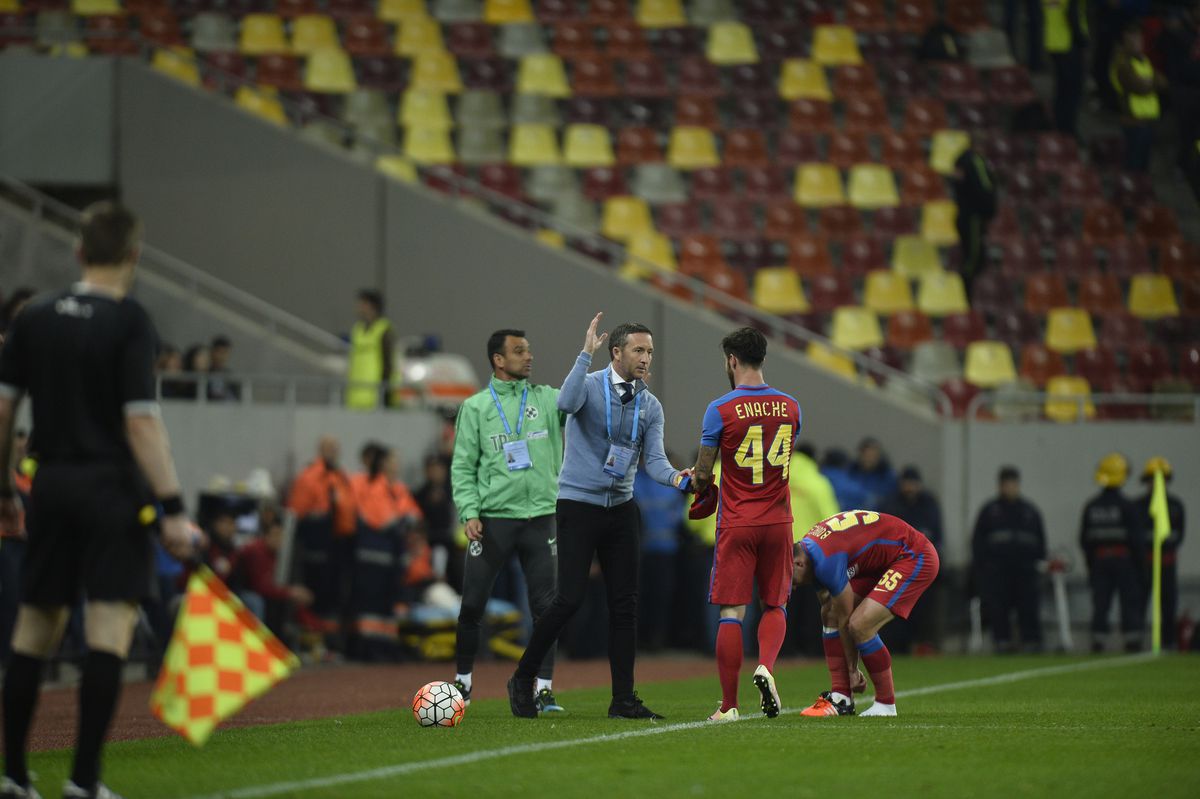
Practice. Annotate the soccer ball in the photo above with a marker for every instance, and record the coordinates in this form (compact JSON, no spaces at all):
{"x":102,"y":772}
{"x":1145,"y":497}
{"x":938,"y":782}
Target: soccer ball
{"x":438,"y":704}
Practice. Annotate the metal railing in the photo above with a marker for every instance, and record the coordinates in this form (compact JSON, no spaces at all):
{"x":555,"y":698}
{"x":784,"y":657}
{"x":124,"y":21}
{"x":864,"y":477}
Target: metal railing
{"x":1031,"y":406}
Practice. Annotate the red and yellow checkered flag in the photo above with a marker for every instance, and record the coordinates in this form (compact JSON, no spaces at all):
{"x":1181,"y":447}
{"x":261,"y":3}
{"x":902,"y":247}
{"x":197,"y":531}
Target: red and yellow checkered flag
{"x":220,"y":657}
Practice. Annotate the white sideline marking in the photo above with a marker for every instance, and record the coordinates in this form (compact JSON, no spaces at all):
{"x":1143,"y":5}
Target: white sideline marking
{"x":384,"y":772}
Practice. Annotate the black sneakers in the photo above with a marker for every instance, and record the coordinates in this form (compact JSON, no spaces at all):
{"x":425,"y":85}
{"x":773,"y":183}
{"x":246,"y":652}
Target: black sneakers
{"x":464,"y":690}
{"x":520,"y":698}
{"x":546,"y":703}
{"x":630,"y":708}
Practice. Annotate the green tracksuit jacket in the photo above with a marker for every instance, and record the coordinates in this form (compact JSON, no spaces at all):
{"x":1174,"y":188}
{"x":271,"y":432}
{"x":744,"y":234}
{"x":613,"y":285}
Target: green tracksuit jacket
{"x":479,"y":475}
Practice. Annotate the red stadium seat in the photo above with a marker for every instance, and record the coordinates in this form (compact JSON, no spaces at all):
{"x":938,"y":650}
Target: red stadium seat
{"x":638,"y":145}
{"x":907,"y":329}
{"x":901,"y":150}
{"x":1055,"y":151}
{"x":862,"y":253}
{"x":712,"y":183}
{"x":829,"y":291}
{"x":753,"y":80}
{"x":839,"y":221}
{"x":961,"y":394}
{"x":492,"y":74}
{"x":754,"y":112}
{"x":796,"y":147}
{"x":1189,"y":364}
{"x":1102,"y":224}
{"x":380,"y":72}
{"x":733,"y":219}
{"x":890,"y":223}
{"x":349,"y":9}
{"x":784,"y":219}
{"x":1125,"y":257}
{"x":1079,"y":186}
{"x":1017,"y":328}
{"x":959,"y":83}
{"x":1073,"y":258}
{"x":1011,"y":86}
{"x":549,"y":11}
{"x":960,"y":329}
{"x":160,"y":28}
{"x":1179,"y":259}
{"x":1020,"y":256}
{"x":1100,"y":294}
{"x":914,"y":16}
{"x":593,"y":76}
{"x":698,"y":253}
{"x":607,"y":12}
{"x":626,"y":40}
{"x":966,"y":15}
{"x":289,"y":9}
{"x":924,"y":115}
{"x":697,"y":111}
{"x":844,"y":150}
{"x":1156,"y":223}
{"x":1039,"y":363}
{"x":678,"y":42}
{"x":808,"y":254}
{"x":470,"y":40}
{"x":573,"y":39}
{"x":782,"y":40}
{"x":1134,"y":190}
{"x":746,"y":148}
{"x":697,"y":76}
{"x":1045,"y":291}
{"x":646,"y":79}
{"x":864,"y":115}
{"x":920,"y":184}
{"x":678,"y":220}
{"x":1148,"y":364}
{"x":811,"y":116}
{"x":766,"y":183}
{"x":1120,"y":330}
{"x":855,"y":81}
{"x":866,"y":15}
{"x":992,"y":293}
{"x":281,"y":71}
{"x":751,"y":255}
{"x":1099,"y":367}
{"x":503,"y":179}
{"x":366,"y":36}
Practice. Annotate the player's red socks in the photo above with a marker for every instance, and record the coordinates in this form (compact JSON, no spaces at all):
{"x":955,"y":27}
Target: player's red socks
{"x":772,"y":627}
{"x":729,"y":660}
{"x":878,"y":660}
{"x":835,"y":659}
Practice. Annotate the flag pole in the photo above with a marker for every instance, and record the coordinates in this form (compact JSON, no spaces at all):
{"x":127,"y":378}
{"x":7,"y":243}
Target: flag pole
{"x":1161,"y":530}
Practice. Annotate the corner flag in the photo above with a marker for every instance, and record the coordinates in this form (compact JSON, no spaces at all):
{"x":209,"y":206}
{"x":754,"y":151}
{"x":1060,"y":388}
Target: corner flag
{"x":1162,"y":530}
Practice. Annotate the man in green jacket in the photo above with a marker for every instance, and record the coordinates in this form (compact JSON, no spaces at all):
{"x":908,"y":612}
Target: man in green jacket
{"x":508,"y":451}
{"x":813,"y":498}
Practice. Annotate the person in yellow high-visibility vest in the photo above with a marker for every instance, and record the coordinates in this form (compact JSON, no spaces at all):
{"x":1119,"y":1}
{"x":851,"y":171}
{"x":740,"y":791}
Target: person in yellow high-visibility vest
{"x":1136,"y":83}
{"x":1065,"y":35}
{"x":369,"y":374}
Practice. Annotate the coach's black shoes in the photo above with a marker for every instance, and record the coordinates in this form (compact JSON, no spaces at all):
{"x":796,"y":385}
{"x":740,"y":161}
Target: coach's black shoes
{"x":464,"y":690}
{"x":520,"y":698}
{"x":631,"y":707}
{"x":546,"y":703}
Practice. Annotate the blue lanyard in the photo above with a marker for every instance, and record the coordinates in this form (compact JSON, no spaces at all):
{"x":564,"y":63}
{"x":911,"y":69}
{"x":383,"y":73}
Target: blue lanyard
{"x":520,"y":414}
{"x":637,"y":407}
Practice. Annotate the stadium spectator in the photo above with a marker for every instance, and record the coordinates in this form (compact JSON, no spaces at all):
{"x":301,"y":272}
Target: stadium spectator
{"x":12,"y":547}
{"x":220,"y":387}
{"x":196,"y":361}
{"x":873,"y":473}
{"x":1137,"y":84}
{"x":441,"y":520}
{"x":381,"y":499}
{"x":222,"y":543}
{"x":835,"y":466}
{"x":975,"y":196}
{"x":1179,"y":45}
{"x":941,"y":42}
{"x":916,"y":505}
{"x":1007,"y":546}
{"x":662,"y":516}
{"x":1113,"y":541}
{"x":813,"y":497}
{"x":1064,"y":23}
{"x":372,"y":344}
{"x":254,"y":578}
{"x":1169,"y":599}
{"x":170,"y":368}
{"x":1108,"y":19}
{"x":1031,"y":9}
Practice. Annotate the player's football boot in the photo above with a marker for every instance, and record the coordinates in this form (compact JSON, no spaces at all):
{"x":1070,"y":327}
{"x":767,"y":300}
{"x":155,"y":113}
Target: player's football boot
{"x":546,"y":703}
{"x":520,"y":698}
{"x":99,"y":791}
{"x":464,"y":690}
{"x":631,"y":708}
{"x":766,"y":686}
{"x":9,"y":789}
{"x":729,"y":715}
{"x":879,"y":709}
{"x":825,"y":706}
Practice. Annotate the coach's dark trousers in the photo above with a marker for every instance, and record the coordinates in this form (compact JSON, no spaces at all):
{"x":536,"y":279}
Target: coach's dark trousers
{"x":611,"y":535}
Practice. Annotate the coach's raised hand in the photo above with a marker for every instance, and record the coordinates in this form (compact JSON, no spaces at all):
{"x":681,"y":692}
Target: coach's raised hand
{"x":591,"y":341}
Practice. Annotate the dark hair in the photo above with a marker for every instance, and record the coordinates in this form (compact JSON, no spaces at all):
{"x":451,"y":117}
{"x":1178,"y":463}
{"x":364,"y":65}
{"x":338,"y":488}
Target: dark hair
{"x":1009,"y":473}
{"x":14,"y":302}
{"x":807,"y":449}
{"x":373,"y":298}
{"x":746,"y":344}
{"x":374,"y":454}
{"x":189,"y":357}
{"x":621,"y":333}
{"x":220,"y":341}
{"x":108,"y":234}
{"x":495,"y":345}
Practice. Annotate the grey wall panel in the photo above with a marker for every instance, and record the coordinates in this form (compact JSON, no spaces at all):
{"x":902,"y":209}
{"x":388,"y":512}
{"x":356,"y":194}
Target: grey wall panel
{"x":255,"y":206}
{"x":56,"y":119}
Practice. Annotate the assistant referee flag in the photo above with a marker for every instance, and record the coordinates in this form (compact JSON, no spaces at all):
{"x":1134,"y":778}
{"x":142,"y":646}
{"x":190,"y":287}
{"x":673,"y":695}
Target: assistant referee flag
{"x":220,"y":657}
{"x":1162,"y":530}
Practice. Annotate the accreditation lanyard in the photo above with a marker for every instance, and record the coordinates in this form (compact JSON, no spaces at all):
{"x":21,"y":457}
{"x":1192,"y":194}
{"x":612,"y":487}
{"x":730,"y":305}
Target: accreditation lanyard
{"x":500,"y":410}
{"x":637,"y":407}
{"x":516,"y":452}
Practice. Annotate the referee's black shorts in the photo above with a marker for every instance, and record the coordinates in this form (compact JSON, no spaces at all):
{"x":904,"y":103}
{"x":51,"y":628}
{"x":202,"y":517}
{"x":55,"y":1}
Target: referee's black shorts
{"x":87,"y":538}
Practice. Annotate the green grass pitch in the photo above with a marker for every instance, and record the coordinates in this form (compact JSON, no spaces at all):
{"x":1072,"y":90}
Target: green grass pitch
{"x":1127,"y":728}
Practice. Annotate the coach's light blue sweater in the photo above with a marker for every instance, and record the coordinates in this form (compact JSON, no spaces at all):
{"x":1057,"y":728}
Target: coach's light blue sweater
{"x":582,"y":477}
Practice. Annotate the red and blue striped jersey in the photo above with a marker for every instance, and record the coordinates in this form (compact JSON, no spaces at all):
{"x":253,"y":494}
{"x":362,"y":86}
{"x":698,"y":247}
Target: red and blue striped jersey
{"x":858,"y":543}
{"x":753,"y":427}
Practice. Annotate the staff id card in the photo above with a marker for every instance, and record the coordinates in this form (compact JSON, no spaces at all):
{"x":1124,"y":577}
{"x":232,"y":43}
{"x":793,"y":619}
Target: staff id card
{"x":516,"y":455}
{"x":619,"y":458}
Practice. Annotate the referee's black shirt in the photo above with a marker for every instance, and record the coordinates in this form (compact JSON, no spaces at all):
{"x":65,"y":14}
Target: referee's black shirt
{"x":86,"y":359}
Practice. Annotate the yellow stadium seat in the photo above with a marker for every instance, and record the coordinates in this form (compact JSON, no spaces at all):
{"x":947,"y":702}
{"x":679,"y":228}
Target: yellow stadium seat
{"x":831,"y":360}
{"x":419,"y":35}
{"x":648,"y":251}
{"x":800,"y":79}
{"x":401,"y":10}
{"x":887,"y":292}
{"x":312,"y":32}
{"x":778,"y":290}
{"x":1069,"y":330}
{"x":946,"y":147}
{"x":425,"y":108}
{"x":989,"y":364}
{"x":873,"y":186}
{"x":398,"y":167}
{"x":504,"y":12}
{"x":835,"y":45}
{"x":10,"y":6}
{"x":262,"y":34}
{"x":329,"y":71}
{"x":533,"y":145}
{"x":428,"y":146}
{"x":179,"y":63}
{"x":941,"y":294}
{"x":692,"y":147}
{"x":542,"y":73}
{"x":856,"y":328}
{"x":625,"y":216}
{"x":819,"y":185}
{"x":1067,"y":396}
{"x":661,"y":14}
{"x":262,"y":102}
{"x":551,"y":238}
{"x":437,"y":71}
{"x":937,"y":222}
{"x":913,"y":256}
{"x":587,"y":146}
{"x":88,"y":8}
{"x":1152,"y":296}
{"x":731,"y":43}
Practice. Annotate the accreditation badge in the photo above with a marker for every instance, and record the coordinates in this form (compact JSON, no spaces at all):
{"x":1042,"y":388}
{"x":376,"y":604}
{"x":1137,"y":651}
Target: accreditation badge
{"x":618,"y":460}
{"x":516,"y":456}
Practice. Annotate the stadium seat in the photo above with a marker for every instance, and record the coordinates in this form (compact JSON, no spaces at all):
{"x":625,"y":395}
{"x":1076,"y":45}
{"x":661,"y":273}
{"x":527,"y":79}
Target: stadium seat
{"x":850,"y":82}
{"x":941,"y":293}
{"x":935,"y":362}
{"x":288,"y":9}
{"x":569,"y":39}
{"x":1099,"y":367}
{"x":1017,"y":328}
{"x":827,"y":292}
{"x":811,"y":116}
{"x":886,"y":292}
{"x":1069,"y":330}
{"x":712,"y":184}
{"x":519,"y":40}
{"x":1125,"y":257}
{"x":733,"y":219}
{"x":695,"y":76}
{"x":1020,"y":256}
{"x":699,"y":252}
{"x":593,"y":76}
{"x":1102,"y":224}
{"x":1044,"y":291}
{"x":660,"y":14}
{"x":802,"y":79}
{"x":1100,"y":293}
{"x":1078,"y":186}
{"x":866,"y":114}
{"x":401,"y":10}
{"x":457,"y":10}
{"x":503,"y":179}
{"x":1179,"y":259}
{"x":625,"y":216}
{"x":262,"y":103}
{"x":542,"y":73}
{"x":1073,"y":258}
{"x":830,"y":360}
{"x":262,"y":34}
{"x":604,"y":12}
{"x":793,"y":148}
{"x":574,"y":214}
{"x":213,"y":33}
{"x":481,"y":146}
{"x":626,"y":40}
{"x":648,"y":252}
{"x":938,"y":222}
{"x":844,"y":150}
{"x":839,"y":221}
{"x":920,"y":185}
{"x":1011,"y":86}
{"x":178,"y":63}
{"x":913,"y":256}
{"x":923,"y":116}
{"x":329,"y":72}
{"x":748,"y":254}
{"x":1156,"y":223}
{"x":866,"y":16}
{"x":1152,"y":296}
{"x":587,"y":146}
{"x":902,"y":150}
{"x":960,"y":330}
{"x":746,"y":148}
{"x":706,"y":13}
{"x":638,"y":145}
{"x":1069,"y":399}
{"x":809,"y":255}
{"x":1148,"y":364}
{"x":872,"y":186}
{"x":992,"y":293}
{"x":424,"y":108}
{"x":480,"y":109}
{"x":835,"y":45}
{"x":601,"y":183}
{"x":1054,"y":151}
{"x":367,"y":36}
{"x":505,"y":12}
{"x":1189,"y":364}
{"x":989,"y":364}
{"x":1039,"y":363}
{"x":784,"y":219}
{"x":855,"y":328}
{"x":749,"y":111}
{"x":436,"y":71}
{"x":488,"y":73}
{"x":533,"y":145}
{"x":692,"y":147}
{"x":907,"y":329}
{"x":313,"y":32}
{"x":428,"y":146}
{"x":397,"y":167}
{"x":731,"y":43}
{"x":819,"y":185}
{"x":659,"y":184}
{"x":90,"y":8}
{"x":945,"y":148}
{"x":960,"y":394}
{"x":778,"y":290}
{"x":1119,"y":330}
{"x":470,"y":40}
{"x":279,"y":71}
{"x":862,"y":253}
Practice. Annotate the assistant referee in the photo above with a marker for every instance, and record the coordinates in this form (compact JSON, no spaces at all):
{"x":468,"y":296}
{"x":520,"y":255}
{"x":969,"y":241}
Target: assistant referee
{"x":86,"y":358}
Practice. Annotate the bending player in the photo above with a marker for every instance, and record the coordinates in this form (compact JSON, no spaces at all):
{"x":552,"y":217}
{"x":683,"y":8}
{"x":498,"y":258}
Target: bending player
{"x":752,"y":427}
{"x":867,"y":568}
